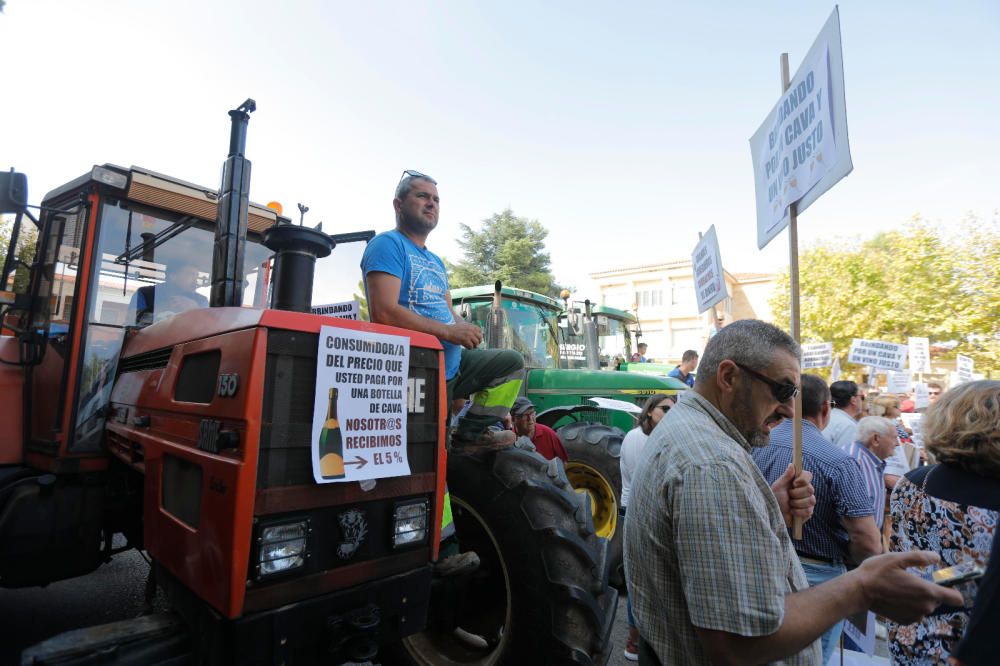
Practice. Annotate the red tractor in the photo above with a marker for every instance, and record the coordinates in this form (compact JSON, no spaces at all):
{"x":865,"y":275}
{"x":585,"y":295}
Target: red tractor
{"x":136,"y":416}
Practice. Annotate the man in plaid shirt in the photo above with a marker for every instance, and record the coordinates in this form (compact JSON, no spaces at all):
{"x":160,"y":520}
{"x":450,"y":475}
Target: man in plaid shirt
{"x":710,"y":567}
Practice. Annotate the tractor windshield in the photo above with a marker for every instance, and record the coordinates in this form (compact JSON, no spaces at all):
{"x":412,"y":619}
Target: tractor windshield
{"x":615,"y":341}
{"x":148,"y":266}
{"x":523,"y":326}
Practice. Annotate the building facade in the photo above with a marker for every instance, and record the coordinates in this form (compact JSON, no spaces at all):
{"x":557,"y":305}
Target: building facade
{"x":663,"y":298}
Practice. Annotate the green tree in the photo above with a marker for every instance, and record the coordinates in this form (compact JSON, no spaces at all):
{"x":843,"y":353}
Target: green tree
{"x":507,"y":248}
{"x":915,"y":282}
{"x":26,"y":242}
{"x":359,"y":296}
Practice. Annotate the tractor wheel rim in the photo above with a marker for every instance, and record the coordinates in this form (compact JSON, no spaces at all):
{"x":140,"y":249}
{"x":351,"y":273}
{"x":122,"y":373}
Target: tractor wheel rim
{"x":433,"y":649}
{"x":603,"y":502}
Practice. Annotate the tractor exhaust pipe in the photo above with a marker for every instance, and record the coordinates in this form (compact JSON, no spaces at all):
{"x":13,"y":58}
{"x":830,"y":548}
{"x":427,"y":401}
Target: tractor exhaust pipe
{"x":231,"y":221}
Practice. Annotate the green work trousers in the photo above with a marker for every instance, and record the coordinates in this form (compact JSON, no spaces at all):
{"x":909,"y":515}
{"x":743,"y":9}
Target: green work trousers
{"x":491,"y":378}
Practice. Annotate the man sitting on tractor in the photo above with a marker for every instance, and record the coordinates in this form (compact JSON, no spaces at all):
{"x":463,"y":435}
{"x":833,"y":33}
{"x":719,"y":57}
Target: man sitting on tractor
{"x":407,"y":286}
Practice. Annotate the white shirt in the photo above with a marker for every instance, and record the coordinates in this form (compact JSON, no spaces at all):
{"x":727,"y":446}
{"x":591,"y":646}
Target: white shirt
{"x":841,"y":429}
{"x":631,"y":449}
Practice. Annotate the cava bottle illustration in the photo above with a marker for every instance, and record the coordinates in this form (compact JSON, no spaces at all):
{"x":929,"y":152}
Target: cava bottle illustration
{"x":331,"y":445}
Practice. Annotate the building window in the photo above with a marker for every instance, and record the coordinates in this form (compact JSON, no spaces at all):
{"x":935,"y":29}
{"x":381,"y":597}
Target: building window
{"x":649,"y":298}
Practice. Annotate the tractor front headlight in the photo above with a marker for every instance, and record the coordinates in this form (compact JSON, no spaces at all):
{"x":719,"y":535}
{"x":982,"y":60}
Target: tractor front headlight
{"x":409,"y":523}
{"x":283,"y":547}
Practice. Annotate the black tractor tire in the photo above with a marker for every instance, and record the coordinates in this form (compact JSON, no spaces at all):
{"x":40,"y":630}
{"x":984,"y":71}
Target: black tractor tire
{"x":594,"y":468}
{"x":542,"y":580}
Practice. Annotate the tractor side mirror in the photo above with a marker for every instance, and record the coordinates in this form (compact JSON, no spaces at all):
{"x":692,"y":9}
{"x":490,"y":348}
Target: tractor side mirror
{"x":13,"y":192}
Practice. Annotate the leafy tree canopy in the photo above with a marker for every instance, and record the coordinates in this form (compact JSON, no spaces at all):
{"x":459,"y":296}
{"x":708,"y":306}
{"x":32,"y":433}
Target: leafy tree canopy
{"x":507,"y":248}
{"x":933,"y":281}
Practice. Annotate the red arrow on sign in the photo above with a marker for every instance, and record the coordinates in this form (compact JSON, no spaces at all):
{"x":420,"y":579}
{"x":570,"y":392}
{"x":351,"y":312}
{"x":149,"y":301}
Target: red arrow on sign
{"x":359,"y":461}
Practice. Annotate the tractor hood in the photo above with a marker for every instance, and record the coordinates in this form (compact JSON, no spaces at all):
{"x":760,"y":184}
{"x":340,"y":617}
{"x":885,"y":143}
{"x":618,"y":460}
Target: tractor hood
{"x":600,"y":382}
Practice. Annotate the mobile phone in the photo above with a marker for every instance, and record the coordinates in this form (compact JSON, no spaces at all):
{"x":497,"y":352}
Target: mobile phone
{"x":960,"y":573}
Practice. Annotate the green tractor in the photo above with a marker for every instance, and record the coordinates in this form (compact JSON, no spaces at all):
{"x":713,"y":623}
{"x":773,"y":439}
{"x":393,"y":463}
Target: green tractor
{"x":567,"y":354}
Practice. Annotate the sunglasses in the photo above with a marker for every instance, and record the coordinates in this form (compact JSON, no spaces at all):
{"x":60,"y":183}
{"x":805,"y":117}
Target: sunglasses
{"x":782,"y":392}
{"x":410,"y":173}
{"x":665,"y":408}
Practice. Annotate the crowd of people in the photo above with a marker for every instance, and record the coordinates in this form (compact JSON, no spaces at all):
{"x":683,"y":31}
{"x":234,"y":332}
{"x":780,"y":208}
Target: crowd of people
{"x":710,"y":491}
{"x":713,"y":574}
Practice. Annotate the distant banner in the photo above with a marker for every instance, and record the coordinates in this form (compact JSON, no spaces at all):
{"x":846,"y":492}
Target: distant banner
{"x":817,"y":355}
{"x":345,"y":310}
{"x":921,"y":397}
{"x":899,"y":382}
{"x":920,"y":354}
{"x":709,"y":280}
{"x":963,"y":368}
{"x":878,"y":354}
{"x":835,"y":370}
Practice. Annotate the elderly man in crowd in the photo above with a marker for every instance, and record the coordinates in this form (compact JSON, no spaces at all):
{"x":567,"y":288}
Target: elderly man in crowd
{"x":544,"y":438}
{"x":848,"y":407}
{"x":842,"y":528}
{"x":876,"y":440}
{"x":710,"y":567}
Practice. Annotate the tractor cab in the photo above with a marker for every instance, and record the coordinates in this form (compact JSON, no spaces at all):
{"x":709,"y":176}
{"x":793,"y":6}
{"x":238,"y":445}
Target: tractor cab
{"x":118,"y":249}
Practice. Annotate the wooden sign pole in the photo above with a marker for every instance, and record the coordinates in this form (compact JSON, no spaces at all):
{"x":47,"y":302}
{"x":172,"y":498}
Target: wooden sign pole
{"x":793,"y":279}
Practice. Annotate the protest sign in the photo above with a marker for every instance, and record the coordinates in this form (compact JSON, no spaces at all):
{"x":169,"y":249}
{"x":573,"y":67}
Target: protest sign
{"x":898,"y":381}
{"x":359,"y":414}
{"x":709,"y":280}
{"x":817,"y":355}
{"x":801,"y":150}
{"x":920,"y":396}
{"x":860,"y":628}
{"x":835,"y":371}
{"x":920,"y":354}
{"x":878,"y":354}
{"x":345,"y":310}
{"x":963,"y":368}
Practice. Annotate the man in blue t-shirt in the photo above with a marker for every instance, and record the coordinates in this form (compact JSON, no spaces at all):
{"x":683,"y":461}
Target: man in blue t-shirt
{"x":407,"y":286}
{"x":689,"y":361}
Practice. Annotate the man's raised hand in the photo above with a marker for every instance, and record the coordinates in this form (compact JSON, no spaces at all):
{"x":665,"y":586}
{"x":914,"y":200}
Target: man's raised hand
{"x":465,"y":334}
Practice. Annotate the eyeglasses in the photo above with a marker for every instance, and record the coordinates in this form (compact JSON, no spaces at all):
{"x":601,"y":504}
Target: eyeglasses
{"x":665,"y":408}
{"x":410,"y":173}
{"x":782,"y":392}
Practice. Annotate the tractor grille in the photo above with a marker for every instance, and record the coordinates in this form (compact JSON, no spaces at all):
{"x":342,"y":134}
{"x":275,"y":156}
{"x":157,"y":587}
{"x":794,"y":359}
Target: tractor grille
{"x":150,"y":360}
{"x":289,"y":388}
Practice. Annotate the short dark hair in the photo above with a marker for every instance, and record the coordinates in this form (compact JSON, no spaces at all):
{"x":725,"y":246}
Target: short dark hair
{"x":689,"y":355}
{"x":641,"y":344}
{"x":842,"y":393}
{"x":931,"y":385}
{"x":814,"y":394}
{"x":750,"y":342}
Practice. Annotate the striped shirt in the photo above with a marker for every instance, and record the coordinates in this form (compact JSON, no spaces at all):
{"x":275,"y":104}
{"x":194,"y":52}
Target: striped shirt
{"x":705,"y":543}
{"x":872,"y":469}
{"x":840,"y":488}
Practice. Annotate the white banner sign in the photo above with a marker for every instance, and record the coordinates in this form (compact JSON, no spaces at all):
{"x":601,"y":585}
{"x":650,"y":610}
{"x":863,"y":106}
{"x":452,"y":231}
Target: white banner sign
{"x":921,"y":399}
{"x":817,"y":355}
{"x":835,"y":370}
{"x":878,"y":354}
{"x":963,"y":368}
{"x":920,"y":354}
{"x":359,"y":416}
{"x":709,"y":280}
{"x":801,"y":149}
{"x":345,"y":310}
{"x":860,"y":628}
{"x":899,"y":382}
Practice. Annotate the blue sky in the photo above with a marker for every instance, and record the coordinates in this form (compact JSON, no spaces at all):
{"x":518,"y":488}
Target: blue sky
{"x":622,"y":127}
